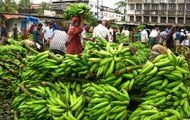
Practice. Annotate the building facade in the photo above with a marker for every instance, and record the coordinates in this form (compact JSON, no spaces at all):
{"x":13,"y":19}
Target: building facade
{"x":158,"y":11}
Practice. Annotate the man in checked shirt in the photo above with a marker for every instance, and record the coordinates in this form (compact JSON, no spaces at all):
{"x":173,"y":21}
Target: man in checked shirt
{"x":58,"y":41}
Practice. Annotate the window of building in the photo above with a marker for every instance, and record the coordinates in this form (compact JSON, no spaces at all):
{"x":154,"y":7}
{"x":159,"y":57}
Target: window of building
{"x":91,"y":5}
{"x":187,"y":20}
{"x":188,"y":7}
{"x":138,"y":6}
{"x":132,"y":7}
{"x":146,"y":19}
{"x":180,"y":20}
{"x":154,"y":19}
{"x":181,"y":7}
{"x":146,"y":6}
{"x":172,"y":6}
{"x":163,"y":20}
{"x":171,"y":20}
{"x":131,"y":18}
{"x":163,"y":6}
{"x":95,"y":13}
{"x":139,"y":19}
{"x":155,"y":6}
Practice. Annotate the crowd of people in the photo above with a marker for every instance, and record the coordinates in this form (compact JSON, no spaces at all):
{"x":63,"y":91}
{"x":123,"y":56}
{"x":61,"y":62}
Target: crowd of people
{"x":72,"y":41}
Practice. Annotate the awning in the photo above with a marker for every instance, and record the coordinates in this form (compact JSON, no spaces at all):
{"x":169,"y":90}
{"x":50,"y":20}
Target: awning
{"x":32,"y":19}
{"x":12,"y":16}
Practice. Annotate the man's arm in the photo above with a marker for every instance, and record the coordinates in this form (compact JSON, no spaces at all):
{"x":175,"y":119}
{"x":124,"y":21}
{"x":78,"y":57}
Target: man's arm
{"x":35,"y":38}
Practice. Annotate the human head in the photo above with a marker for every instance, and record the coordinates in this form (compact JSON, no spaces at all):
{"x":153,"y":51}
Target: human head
{"x":1,"y":23}
{"x":76,"y":21}
{"x":50,"y":25}
{"x":39,"y":26}
{"x":173,"y":29}
{"x":99,"y":22}
{"x":87,"y":27}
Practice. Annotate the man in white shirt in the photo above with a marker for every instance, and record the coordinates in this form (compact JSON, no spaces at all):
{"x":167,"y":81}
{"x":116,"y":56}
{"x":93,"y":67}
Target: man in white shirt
{"x":125,"y":32}
{"x":48,"y":31}
{"x":100,"y":31}
{"x":153,"y":37}
{"x":144,"y":36}
{"x":58,"y":42}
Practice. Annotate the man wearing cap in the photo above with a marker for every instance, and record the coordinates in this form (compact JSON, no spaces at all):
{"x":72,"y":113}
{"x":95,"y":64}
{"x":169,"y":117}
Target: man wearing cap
{"x":74,"y":45}
{"x":38,"y":37}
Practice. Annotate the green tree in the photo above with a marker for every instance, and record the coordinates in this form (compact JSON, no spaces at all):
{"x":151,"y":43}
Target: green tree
{"x":8,"y":6}
{"x":43,"y":6}
{"x":92,"y":20}
{"x":24,"y":4}
{"x":121,"y":6}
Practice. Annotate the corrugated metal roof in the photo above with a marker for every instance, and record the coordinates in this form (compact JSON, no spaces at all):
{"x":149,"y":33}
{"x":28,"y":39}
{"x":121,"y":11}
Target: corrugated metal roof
{"x":12,"y":16}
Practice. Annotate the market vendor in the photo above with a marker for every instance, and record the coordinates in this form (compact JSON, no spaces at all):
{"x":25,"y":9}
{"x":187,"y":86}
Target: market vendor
{"x":157,"y":50}
{"x":74,"y":45}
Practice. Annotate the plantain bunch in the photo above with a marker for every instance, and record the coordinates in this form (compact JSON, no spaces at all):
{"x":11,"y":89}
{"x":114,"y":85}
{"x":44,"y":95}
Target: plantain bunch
{"x":76,"y":9}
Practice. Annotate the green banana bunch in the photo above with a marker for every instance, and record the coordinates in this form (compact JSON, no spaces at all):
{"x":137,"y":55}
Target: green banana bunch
{"x":162,"y":82}
{"x":105,"y":102}
{"x":76,"y":9}
{"x":182,"y":50}
{"x":110,"y":60}
{"x":56,"y":101}
{"x":72,"y":66}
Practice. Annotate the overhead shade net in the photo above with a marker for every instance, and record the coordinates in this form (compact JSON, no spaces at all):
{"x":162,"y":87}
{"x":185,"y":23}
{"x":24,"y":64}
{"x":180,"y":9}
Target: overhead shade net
{"x":32,"y":19}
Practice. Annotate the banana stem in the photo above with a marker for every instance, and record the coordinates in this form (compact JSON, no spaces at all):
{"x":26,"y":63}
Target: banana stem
{"x":29,"y":48}
{"x":127,"y":69}
{"x":6,"y":90}
{"x":54,"y":57}
{"x":11,"y":62}
{"x":19,"y":57}
{"x":15,"y":115}
{"x":51,"y":85}
{"x":25,"y":91}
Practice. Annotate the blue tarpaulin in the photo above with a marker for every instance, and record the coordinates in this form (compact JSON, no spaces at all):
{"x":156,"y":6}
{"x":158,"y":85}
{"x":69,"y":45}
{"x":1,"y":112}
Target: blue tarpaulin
{"x":32,"y":19}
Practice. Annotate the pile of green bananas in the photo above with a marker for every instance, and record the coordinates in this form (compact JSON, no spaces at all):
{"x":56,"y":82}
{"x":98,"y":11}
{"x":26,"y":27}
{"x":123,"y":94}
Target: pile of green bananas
{"x":121,"y":38}
{"x":142,"y":53}
{"x":12,"y":63}
{"x":182,"y":50}
{"x":76,"y":9}
{"x":61,"y":100}
{"x":100,"y":44}
{"x":41,"y":67}
{"x":166,"y":96}
{"x":105,"y":102}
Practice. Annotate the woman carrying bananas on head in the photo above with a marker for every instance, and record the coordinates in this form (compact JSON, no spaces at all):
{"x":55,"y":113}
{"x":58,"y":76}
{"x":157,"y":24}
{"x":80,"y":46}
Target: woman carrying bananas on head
{"x":74,"y":33}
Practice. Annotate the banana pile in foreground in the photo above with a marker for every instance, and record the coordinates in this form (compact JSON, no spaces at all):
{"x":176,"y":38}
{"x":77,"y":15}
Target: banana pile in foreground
{"x":166,"y":96}
{"x":105,"y":102}
{"x":56,"y":101}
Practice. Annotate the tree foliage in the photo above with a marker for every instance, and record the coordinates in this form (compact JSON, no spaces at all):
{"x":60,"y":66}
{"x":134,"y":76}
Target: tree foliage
{"x":8,"y":6}
{"x":92,"y":20}
{"x":24,"y":4}
{"x":43,"y":6}
{"x":121,"y":6}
